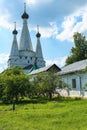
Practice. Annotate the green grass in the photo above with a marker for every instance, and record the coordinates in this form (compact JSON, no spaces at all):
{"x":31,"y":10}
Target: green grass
{"x":49,"y":115}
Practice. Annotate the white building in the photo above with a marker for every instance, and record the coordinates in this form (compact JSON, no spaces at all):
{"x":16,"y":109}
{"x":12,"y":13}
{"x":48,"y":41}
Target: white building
{"x":22,"y":54}
{"x":75,"y":75}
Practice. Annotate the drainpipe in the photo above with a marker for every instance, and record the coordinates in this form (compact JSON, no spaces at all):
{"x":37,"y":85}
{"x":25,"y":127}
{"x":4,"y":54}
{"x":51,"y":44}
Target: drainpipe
{"x":81,"y":90}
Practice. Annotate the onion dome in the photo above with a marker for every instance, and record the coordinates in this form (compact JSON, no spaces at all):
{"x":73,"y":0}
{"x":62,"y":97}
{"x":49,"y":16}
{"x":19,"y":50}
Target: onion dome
{"x":25,"y":15}
{"x":15,"y":31}
{"x":38,"y":34}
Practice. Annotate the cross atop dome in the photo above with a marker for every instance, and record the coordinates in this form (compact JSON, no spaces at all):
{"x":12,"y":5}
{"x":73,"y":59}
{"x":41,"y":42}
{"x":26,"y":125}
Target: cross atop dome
{"x":37,"y":28}
{"x":24,"y":7}
{"x":38,"y":34}
{"x":25,"y":15}
{"x":15,"y":31}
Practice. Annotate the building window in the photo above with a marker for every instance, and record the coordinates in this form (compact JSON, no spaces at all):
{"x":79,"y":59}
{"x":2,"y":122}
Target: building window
{"x":25,"y":57}
{"x":20,"y":57}
{"x":28,"y":61}
{"x":31,"y":58}
{"x":73,"y":83}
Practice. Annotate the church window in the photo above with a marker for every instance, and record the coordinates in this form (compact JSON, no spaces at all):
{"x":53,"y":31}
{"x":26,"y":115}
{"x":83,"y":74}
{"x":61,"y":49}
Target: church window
{"x":25,"y":57}
{"x":73,"y":83}
{"x":20,"y":57}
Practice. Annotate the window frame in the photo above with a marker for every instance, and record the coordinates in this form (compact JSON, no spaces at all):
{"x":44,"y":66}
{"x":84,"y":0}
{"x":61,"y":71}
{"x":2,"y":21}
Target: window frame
{"x":74,"y":83}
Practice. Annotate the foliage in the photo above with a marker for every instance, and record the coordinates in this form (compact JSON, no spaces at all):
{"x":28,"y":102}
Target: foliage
{"x":13,"y":84}
{"x":79,"y":52}
{"x":62,"y":85}
{"x":45,"y":84}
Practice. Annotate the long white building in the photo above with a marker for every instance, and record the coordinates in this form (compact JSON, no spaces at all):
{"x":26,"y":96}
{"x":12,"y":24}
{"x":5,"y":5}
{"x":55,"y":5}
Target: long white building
{"x":22,"y":54}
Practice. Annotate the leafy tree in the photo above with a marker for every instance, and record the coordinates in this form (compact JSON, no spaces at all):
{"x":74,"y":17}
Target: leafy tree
{"x":37,"y":84}
{"x":1,"y":87}
{"x":62,"y":85}
{"x":50,"y":84}
{"x":45,"y":84}
{"x":15,"y":84}
{"x":79,"y":52}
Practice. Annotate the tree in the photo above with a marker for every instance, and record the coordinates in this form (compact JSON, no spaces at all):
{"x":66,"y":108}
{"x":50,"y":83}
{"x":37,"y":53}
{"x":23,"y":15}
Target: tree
{"x":45,"y":84}
{"x":63,"y":85}
{"x":50,"y":84}
{"x":1,"y":87}
{"x":15,"y":84}
{"x":79,"y":52}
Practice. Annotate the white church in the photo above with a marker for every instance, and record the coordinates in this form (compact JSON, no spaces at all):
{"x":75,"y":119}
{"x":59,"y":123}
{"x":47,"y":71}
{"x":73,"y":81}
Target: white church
{"x":22,"y":54}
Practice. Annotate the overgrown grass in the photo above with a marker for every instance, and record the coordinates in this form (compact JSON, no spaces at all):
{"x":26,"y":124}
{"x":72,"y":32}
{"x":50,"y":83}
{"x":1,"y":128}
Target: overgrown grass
{"x":65,"y":114}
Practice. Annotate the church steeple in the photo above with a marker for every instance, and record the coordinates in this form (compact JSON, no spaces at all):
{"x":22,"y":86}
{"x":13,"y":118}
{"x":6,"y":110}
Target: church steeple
{"x":25,"y":40}
{"x":14,"y":49}
{"x":22,"y":54}
{"x":38,"y":46}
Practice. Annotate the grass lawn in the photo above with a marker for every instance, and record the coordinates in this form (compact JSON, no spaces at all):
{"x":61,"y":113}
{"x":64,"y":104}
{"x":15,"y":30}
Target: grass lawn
{"x":50,"y":115}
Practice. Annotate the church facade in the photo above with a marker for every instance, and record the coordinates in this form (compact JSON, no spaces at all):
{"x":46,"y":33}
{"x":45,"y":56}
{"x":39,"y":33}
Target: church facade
{"x":22,"y":54}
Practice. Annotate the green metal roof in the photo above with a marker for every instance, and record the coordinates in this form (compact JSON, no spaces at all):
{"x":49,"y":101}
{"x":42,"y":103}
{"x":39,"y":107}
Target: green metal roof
{"x":34,"y":67}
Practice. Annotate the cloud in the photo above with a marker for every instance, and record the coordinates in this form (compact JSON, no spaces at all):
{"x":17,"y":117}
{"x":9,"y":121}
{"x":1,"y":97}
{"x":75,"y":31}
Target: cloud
{"x":3,"y":61}
{"x":31,"y":1}
{"x":36,"y":2}
{"x":50,"y":31}
{"x":4,"y":21}
{"x":5,"y":15}
{"x":73,"y":21}
{"x":54,"y":9}
{"x":48,"y":11}
{"x":76,"y":22}
{"x":47,"y":32}
{"x":60,"y":61}
{"x":67,"y":29}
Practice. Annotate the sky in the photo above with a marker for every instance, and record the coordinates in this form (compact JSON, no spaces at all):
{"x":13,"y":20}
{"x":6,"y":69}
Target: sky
{"x":58,"y":20}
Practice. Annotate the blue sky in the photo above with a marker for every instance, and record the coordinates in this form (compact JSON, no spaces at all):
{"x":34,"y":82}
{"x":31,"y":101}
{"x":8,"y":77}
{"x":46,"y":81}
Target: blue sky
{"x":58,"y":20}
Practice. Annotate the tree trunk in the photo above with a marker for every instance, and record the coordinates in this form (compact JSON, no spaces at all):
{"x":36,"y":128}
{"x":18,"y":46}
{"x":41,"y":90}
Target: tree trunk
{"x":50,"y":95}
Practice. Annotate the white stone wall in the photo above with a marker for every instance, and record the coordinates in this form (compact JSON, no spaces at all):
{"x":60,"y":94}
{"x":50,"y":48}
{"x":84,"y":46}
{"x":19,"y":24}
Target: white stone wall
{"x":81,"y":80}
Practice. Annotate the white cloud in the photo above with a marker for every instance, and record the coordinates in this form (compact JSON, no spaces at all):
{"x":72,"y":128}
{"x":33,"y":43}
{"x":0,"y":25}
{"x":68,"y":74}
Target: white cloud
{"x":31,"y":1}
{"x":3,"y":58}
{"x":3,"y":61}
{"x":34,"y":2}
{"x":4,"y":21}
{"x":60,"y":61}
{"x":67,"y":26}
{"x":47,"y":32}
{"x":5,"y":15}
{"x":76,"y":22}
